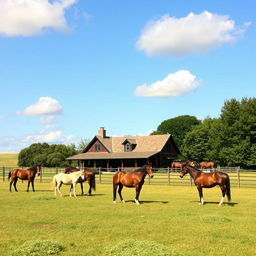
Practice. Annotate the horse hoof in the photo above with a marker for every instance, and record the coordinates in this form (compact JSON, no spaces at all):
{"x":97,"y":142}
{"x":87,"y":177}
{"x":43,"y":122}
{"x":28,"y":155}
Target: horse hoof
{"x":114,"y":202}
{"x":123,"y":201}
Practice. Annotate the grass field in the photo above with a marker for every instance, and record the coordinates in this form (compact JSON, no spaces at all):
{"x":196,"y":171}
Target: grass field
{"x":8,"y":159}
{"x":167,"y":215}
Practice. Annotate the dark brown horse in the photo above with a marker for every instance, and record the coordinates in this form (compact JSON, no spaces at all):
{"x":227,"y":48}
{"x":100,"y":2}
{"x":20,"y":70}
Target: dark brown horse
{"x":208,"y":180}
{"x":130,"y":180}
{"x":28,"y":174}
{"x":89,"y":176}
{"x":207,"y":165}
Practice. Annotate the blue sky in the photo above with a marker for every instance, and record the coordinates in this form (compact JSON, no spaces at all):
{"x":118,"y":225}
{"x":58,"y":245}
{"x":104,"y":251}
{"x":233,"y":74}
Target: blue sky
{"x":68,"y":67}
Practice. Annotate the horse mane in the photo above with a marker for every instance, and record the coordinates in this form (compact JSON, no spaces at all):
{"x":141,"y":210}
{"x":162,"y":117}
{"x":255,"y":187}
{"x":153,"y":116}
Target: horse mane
{"x":33,"y":168}
{"x":193,"y":168}
{"x":141,"y":169}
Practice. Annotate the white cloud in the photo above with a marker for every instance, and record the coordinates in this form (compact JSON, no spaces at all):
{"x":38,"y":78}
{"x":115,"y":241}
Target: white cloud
{"x":32,"y":17}
{"x":175,"y":84}
{"x":44,"y":106}
{"x":195,"y":33}
{"x":50,"y":137}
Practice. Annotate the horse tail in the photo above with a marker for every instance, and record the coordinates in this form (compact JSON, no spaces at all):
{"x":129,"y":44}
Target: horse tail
{"x":9,"y":175}
{"x":93,"y":182}
{"x":228,"y":193}
{"x":54,"y":182}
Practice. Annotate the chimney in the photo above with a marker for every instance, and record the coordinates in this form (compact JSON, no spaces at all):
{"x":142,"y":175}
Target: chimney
{"x":102,"y":132}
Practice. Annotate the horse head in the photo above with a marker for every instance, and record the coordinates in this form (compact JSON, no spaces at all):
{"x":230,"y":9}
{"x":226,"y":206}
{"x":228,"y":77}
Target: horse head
{"x":149,"y":170}
{"x":184,"y":170}
{"x":38,"y":169}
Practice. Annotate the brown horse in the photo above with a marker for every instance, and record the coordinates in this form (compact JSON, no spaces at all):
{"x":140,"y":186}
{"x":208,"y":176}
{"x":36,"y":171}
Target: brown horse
{"x":207,"y":165}
{"x":28,"y":174}
{"x":208,"y":180}
{"x":132,"y":179}
{"x":180,"y":163}
{"x":89,"y":176}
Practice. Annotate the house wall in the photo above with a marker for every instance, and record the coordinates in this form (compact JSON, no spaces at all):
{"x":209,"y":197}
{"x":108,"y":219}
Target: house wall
{"x":92,"y":148}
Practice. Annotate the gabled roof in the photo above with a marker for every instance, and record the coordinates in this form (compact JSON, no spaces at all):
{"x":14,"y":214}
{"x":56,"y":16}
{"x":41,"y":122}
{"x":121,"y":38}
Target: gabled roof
{"x":146,"y":146}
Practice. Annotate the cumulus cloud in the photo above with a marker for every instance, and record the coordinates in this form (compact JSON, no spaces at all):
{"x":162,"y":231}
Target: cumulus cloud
{"x":175,"y":84}
{"x":195,"y":33}
{"x":50,"y":137}
{"x":44,"y":106}
{"x":32,"y":17}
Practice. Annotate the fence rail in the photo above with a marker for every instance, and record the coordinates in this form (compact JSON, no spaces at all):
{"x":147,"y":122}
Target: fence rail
{"x":163,"y":176}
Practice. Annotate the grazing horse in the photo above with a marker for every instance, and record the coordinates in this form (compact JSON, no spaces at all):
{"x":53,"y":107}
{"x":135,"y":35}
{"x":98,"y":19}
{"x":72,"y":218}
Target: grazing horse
{"x":208,"y":180}
{"x":89,"y":176}
{"x":28,"y":174}
{"x":132,"y":179}
{"x":67,"y":179}
{"x":207,"y":165}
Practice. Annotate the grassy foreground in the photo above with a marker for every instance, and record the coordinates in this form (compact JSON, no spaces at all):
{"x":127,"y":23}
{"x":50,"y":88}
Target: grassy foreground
{"x":8,"y":159}
{"x":167,"y":215}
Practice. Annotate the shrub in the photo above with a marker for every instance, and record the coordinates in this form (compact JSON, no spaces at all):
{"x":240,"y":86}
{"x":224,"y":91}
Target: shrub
{"x":38,"y":248}
{"x":140,"y":248}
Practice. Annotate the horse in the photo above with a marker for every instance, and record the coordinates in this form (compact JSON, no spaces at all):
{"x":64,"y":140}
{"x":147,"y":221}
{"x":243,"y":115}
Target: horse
{"x":208,"y":180}
{"x":207,"y":165}
{"x":180,"y":163}
{"x":89,"y":176}
{"x":132,"y":179}
{"x":67,"y":179}
{"x":28,"y":174}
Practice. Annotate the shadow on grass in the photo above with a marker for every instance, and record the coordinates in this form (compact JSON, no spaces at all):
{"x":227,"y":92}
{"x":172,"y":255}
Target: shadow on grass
{"x":216,"y":203}
{"x":147,"y":202}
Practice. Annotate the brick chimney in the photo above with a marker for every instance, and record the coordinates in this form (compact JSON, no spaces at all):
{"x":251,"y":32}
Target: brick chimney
{"x":102,"y":132}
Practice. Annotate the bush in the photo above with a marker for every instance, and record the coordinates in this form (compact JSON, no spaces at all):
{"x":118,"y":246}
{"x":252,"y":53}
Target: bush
{"x":38,"y":248}
{"x":140,"y":248}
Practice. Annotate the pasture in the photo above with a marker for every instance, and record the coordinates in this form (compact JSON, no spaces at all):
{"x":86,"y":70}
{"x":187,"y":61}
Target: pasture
{"x":9,"y":159}
{"x":168,"y":215}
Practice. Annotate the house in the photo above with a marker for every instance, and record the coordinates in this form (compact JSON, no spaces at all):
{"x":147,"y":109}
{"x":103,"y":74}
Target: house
{"x":127,"y":151}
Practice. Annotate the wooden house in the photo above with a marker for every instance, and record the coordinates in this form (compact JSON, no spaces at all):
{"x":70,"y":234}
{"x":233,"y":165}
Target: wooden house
{"x":127,"y":151}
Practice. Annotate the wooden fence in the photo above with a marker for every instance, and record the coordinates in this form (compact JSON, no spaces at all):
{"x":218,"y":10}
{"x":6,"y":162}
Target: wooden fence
{"x":163,"y":176}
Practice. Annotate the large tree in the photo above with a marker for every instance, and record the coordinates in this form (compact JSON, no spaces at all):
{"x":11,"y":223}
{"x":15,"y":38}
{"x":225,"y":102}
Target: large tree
{"x":46,"y":155}
{"x":178,"y":127}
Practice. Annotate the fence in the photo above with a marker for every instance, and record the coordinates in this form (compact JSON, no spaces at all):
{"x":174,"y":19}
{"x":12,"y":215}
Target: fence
{"x":163,"y":176}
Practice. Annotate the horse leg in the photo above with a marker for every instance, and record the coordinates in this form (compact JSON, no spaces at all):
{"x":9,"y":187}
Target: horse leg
{"x":71,"y":189}
{"x":32,"y":182}
{"x":58,"y":188}
{"x":11,"y":182}
{"x":120,"y":192}
{"x":138,"y":189}
{"x":82,"y":188}
{"x":74,"y":189}
{"x":200,"y":191}
{"x":115,"y":185}
{"x":223,"y":191}
{"x":14,"y":184}
{"x":28,"y":185}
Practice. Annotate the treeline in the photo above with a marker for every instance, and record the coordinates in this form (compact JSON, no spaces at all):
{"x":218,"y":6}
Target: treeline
{"x":230,"y":140}
{"x":46,"y":155}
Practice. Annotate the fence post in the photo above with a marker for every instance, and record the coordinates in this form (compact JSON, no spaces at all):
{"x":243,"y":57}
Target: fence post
{"x":238,"y":176}
{"x":169,"y":175}
{"x":100,"y":174}
{"x":41,"y":175}
{"x":191,"y":183}
{"x":3,"y":174}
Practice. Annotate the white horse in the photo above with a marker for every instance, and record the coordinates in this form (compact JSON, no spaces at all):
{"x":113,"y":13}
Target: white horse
{"x":67,"y":179}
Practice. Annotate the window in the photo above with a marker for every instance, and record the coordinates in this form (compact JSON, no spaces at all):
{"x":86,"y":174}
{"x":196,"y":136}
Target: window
{"x":127,"y":147}
{"x":97,"y":147}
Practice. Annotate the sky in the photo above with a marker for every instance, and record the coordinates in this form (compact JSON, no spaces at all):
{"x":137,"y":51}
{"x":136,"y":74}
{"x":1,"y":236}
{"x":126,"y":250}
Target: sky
{"x":68,"y":67}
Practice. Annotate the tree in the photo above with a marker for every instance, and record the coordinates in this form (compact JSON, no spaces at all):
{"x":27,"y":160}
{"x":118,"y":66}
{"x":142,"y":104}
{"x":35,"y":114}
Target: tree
{"x":178,"y":127}
{"x":82,"y":144}
{"x":46,"y":155}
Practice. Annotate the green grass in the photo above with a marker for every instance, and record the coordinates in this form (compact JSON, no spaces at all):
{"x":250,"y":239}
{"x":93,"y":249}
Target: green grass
{"x":169,"y":216}
{"x":8,"y":159}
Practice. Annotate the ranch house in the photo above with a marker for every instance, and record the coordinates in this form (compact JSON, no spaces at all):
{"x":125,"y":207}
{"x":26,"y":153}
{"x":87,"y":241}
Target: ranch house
{"x":127,"y":151}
